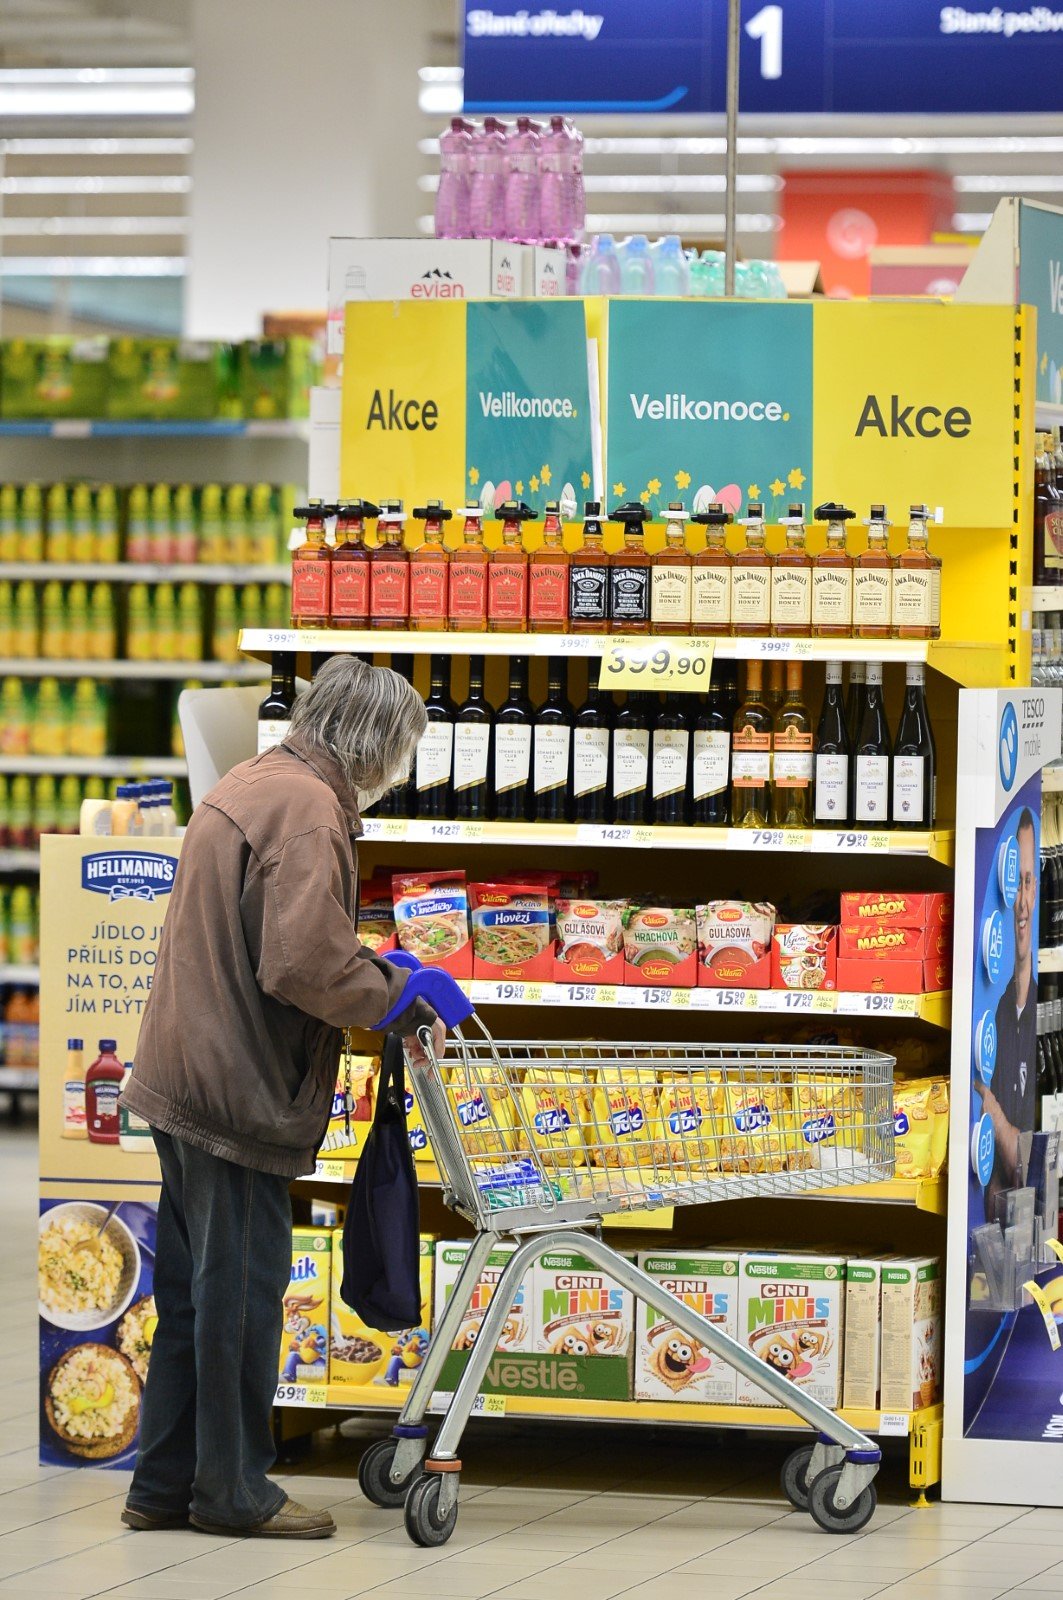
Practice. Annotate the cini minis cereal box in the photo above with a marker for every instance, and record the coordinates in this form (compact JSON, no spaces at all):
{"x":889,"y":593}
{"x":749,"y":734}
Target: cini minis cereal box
{"x":359,"y":1354}
{"x":304,"y":1354}
{"x":669,"y":1364}
{"x":803,"y":956}
{"x":661,"y":946}
{"x":734,"y":944}
{"x":791,"y":1312}
{"x":449,"y":1259}
{"x":863,"y":1332}
{"x":511,"y":935}
{"x":578,"y":1310}
{"x":590,"y":941}
{"x":911,"y":1334}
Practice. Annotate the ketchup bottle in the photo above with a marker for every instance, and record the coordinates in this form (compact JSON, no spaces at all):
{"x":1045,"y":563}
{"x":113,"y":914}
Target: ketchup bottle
{"x":103,"y":1083}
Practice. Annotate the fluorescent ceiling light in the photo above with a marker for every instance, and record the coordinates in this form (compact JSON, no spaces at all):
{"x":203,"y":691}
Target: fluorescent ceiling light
{"x":971,"y":221}
{"x":91,"y":75}
{"x":440,"y":99}
{"x":148,"y":184}
{"x":714,"y":183}
{"x":92,"y":266}
{"x":678,"y":222}
{"x":88,"y":227}
{"x":95,"y":147}
{"x":1007,"y":182}
{"x":96,"y":100}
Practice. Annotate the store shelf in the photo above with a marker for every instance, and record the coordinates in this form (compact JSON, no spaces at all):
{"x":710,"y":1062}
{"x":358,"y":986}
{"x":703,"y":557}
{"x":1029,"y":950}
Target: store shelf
{"x":12,"y":972}
{"x":20,"y":861}
{"x":98,"y":766}
{"x":933,"y":1008}
{"x":86,"y":428}
{"x":19,"y":1080}
{"x":367,"y":1397}
{"x":1048,"y":415}
{"x":1050,"y":960}
{"x":141,"y":572}
{"x":1052,"y":779}
{"x":1043,"y":598}
{"x":206,"y":671}
{"x":783,"y":841}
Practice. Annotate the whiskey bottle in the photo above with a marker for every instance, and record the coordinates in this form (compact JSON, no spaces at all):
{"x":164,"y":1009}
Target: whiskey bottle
{"x":791,"y":762}
{"x":350,"y":565}
{"x":873,"y":581}
{"x":832,"y":577}
{"x":312,"y":569}
{"x":917,"y":583}
{"x":588,"y":577}
{"x":751,"y":755}
{"x":791,"y":581}
{"x":430,"y":571}
{"x":467,"y":601}
{"x":672,"y":567}
{"x":513,"y":746}
{"x":389,"y":570}
{"x":711,"y":597}
{"x":548,"y":577}
{"x":751,"y":579}
{"x":629,"y":573}
{"x":833,"y":748}
{"x":507,"y":573}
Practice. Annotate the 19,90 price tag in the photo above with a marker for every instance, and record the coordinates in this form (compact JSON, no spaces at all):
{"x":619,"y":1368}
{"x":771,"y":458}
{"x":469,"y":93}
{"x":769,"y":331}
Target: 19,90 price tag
{"x":681,"y":664}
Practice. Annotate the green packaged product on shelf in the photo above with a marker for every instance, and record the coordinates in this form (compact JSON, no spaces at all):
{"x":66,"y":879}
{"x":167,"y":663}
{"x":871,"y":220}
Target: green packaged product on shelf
{"x":8,"y":522}
{"x":55,"y":377}
{"x":5,"y":918}
{"x":22,"y":926}
{"x":160,"y":519}
{"x":25,"y":633}
{"x":211,"y":525}
{"x":31,"y":523}
{"x":185,"y":546}
{"x":7,"y":618}
{"x":15,"y":715}
{"x":48,"y":732}
{"x":82,"y":526}
{"x":103,"y":625}
{"x":161,"y":379}
{"x":20,"y":811}
{"x":45,"y":804}
{"x":278,"y":606}
{"x":108,"y":538}
{"x":87,"y":718}
{"x":262,"y":526}
{"x":78,"y":622}
{"x":251,"y":606}
{"x":69,"y":804}
{"x":53,"y":622}
{"x":165,"y":617}
{"x":57,"y":537}
{"x":275,"y":377}
{"x":5,"y":809}
{"x":237,"y":539}
{"x":138,"y":542}
{"x":140,"y":632}
{"x":190,"y":623}
{"x":225,"y":646}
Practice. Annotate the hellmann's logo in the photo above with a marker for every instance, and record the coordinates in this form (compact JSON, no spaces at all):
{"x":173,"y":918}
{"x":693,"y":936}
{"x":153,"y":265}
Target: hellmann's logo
{"x":122,"y":876}
{"x":890,"y":418}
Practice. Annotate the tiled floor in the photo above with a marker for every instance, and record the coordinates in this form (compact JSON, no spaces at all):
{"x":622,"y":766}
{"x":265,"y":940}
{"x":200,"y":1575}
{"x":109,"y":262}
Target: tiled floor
{"x":547,"y":1514}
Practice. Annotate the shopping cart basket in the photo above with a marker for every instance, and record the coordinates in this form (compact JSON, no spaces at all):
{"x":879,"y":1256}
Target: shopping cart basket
{"x":537,"y":1141}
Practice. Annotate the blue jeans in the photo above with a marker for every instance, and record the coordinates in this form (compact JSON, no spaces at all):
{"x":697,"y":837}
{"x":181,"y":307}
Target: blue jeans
{"x":222,"y":1266}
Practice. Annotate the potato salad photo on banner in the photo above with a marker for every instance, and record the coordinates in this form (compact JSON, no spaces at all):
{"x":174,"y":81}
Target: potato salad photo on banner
{"x":529,"y":429}
{"x":709,"y":408}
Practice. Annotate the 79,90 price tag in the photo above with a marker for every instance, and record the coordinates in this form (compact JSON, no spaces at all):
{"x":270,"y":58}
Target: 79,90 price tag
{"x":681,"y":664}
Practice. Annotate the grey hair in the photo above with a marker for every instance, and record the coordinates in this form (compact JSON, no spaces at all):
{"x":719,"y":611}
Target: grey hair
{"x":369,"y":719}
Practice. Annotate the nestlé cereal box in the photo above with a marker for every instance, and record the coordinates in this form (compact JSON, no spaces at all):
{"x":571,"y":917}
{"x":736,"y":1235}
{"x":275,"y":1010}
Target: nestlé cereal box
{"x":791,"y":1316}
{"x":304,"y":1353}
{"x":360,"y":1354}
{"x":669,"y":1363}
{"x":579,"y":1310}
{"x":911,"y":1334}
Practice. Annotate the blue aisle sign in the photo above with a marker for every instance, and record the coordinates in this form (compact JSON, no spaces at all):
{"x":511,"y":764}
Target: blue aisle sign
{"x":798,"y":55}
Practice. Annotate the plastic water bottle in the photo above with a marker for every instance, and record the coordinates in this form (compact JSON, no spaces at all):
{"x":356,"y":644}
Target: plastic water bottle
{"x":522,"y":183}
{"x":601,"y":267}
{"x":554,"y":196}
{"x":670,"y":270}
{"x":452,"y":195}
{"x":636,"y":265}
{"x":711,"y":275}
{"x":577,"y":200}
{"x":487,"y":186}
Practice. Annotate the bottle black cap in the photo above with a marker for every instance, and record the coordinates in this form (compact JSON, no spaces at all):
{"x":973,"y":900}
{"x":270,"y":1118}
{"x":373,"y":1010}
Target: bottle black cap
{"x":552,"y":508}
{"x":592,"y":510}
{"x":314,"y":508}
{"x":714,"y":513}
{"x":831,"y":511}
{"x":432,"y":511}
{"x":796,"y":512}
{"x":630,"y":511}
{"x":878,"y":514}
{"x":391,"y":509}
{"x":755,"y":510}
{"x":514,"y":511}
{"x":357,"y":508}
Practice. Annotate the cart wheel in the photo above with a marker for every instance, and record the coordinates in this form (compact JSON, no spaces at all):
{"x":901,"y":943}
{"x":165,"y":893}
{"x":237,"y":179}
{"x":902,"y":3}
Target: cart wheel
{"x":423,"y":1522}
{"x":374,"y":1475}
{"x":831,"y":1518}
{"x":794,"y":1477}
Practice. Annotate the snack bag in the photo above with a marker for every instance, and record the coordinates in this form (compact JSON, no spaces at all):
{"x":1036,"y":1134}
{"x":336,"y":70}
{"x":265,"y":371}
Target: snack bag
{"x":624,"y":1119}
{"x":826,"y":1126}
{"x":913,"y":1128}
{"x":939,"y":1138}
{"x":484,"y":1108}
{"x":689,"y":1125}
{"x":511,"y":931}
{"x":755,"y":1117}
{"x":376,"y":915}
{"x":339,"y":1142}
{"x":432,"y":919}
{"x":554,"y":1109}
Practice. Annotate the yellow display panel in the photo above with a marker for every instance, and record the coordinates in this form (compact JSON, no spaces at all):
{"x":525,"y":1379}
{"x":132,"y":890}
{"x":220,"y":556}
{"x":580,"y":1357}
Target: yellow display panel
{"x":403,"y":410}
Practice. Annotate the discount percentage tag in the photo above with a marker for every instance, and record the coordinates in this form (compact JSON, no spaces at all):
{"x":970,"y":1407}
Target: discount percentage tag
{"x":680,"y":664}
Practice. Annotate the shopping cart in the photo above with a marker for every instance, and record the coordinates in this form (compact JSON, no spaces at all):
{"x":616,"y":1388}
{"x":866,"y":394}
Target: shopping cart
{"x":537,"y":1141}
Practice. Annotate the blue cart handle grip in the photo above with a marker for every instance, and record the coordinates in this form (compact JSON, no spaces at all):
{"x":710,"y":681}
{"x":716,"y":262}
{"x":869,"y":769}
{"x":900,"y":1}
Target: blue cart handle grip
{"x":442,"y":993}
{"x":403,"y":958}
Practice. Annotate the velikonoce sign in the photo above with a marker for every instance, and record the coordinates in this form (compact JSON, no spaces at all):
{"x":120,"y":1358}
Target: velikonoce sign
{"x":839,"y":401}
{"x":489,"y":400}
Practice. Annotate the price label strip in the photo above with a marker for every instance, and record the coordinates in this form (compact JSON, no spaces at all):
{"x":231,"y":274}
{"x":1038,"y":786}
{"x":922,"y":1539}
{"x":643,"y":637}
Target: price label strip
{"x":329,"y":1171}
{"x":895,"y":1424}
{"x":485,"y":1405}
{"x":314,"y":1395}
{"x":680,"y":664}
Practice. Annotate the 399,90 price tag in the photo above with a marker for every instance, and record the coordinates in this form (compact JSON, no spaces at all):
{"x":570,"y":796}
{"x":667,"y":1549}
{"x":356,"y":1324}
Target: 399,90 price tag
{"x":681,"y":664}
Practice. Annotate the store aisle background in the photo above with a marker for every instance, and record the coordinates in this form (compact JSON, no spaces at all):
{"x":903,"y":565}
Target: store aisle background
{"x":573,"y":1514}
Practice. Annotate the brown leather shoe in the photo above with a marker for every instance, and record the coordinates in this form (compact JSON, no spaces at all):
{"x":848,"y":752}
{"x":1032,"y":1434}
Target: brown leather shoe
{"x":153,"y":1521}
{"x":292,"y":1521}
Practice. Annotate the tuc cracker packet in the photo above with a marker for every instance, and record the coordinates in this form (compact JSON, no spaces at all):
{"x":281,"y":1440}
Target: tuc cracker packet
{"x":483,"y":1105}
{"x":554,"y":1109}
{"x":449,"y":1259}
{"x":755,"y":1119}
{"x":432,"y":919}
{"x":669,"y":1364}
{"x":920,"y":1126}
{"x":360,"y":1354}
{"x":734,"y":944}
{"x":578,"y":1309}
{"x":828,"y":1125}
{"x":590,"y":940}
{"x":349,"y":1122}
{"x":304,"y":1353}
{"x":911,"y":1334}
{"x":689,"y":1122}
{"x":622,"y":1127}
{"x":791,"y":1313}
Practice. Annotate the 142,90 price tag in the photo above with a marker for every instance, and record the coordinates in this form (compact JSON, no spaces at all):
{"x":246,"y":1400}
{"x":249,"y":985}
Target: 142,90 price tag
{"x":681,"y":664}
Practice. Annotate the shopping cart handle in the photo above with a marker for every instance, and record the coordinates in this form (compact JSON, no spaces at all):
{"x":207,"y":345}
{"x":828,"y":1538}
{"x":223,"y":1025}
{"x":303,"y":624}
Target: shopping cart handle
{"x":441,"y":992}
{"x":404,"y":958}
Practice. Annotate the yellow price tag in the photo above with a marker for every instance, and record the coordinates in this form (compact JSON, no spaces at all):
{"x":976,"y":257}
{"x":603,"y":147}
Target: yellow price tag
{"x":824,"y":1000}
{"x":605,"y":994}
{"x":316,"y":1395}
{"x":330,"y":1171}
{"x":494,"y":1405}
{"x":1055,"y":1247}
{"x":1041,"y":1301}
{"x":680,"y":664}
{"x":533,"y":993}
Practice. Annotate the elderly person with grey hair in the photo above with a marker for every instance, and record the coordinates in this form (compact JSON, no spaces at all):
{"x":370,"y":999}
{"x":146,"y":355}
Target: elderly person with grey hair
{"x":259,"y":969}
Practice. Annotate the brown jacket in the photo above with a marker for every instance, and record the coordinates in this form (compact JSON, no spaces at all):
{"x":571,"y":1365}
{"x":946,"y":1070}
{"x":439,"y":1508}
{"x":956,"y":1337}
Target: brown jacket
{"x":259,"y":967}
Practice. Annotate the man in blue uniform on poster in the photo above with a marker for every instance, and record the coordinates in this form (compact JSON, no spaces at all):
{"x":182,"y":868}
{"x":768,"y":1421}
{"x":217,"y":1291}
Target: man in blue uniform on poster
{"x":1011,"y":1103}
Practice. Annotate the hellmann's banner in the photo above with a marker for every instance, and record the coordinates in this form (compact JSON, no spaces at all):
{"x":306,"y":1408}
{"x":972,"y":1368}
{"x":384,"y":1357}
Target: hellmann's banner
{"x":853,"y":402}
{"x":489,"y":400}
